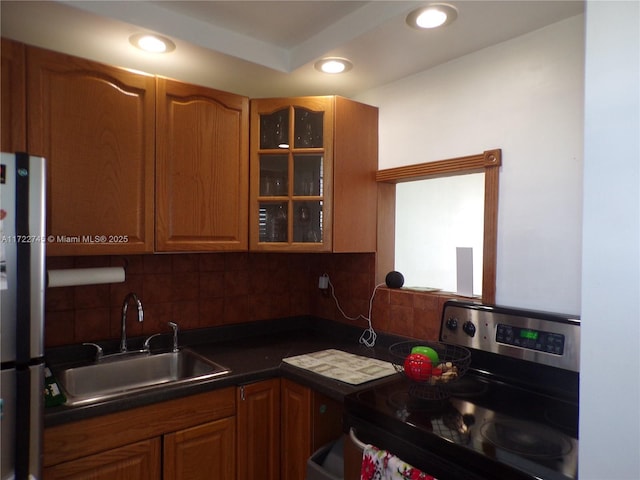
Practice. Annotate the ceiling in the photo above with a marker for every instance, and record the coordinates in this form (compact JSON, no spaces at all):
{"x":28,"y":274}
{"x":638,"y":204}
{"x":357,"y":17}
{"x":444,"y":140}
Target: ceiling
{"x":268,"y":48}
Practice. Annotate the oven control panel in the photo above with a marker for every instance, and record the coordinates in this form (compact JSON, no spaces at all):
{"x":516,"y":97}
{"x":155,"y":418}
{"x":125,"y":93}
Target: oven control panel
{"x":530,"y":338}
{"x":541,"y":337}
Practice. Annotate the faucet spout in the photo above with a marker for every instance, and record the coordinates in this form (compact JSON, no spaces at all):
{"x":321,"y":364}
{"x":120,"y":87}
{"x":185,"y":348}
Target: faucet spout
{"x":125,"y":307}
{"x":174,"y":326}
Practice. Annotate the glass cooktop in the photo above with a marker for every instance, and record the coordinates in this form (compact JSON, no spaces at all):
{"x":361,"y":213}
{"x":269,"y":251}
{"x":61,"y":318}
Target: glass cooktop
{"x":485,"y":420}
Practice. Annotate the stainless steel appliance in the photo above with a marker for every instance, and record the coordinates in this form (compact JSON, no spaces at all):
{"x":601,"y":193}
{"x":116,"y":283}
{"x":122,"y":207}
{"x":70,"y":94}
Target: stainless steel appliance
{"x":22,"y":284}
{"x":513,"y":416}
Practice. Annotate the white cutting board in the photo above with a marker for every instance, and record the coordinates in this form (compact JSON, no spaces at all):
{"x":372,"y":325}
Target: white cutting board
{"x":343,"y":366}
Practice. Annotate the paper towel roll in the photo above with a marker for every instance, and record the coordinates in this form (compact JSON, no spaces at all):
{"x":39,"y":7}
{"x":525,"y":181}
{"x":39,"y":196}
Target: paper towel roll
{"x":85,"y":276}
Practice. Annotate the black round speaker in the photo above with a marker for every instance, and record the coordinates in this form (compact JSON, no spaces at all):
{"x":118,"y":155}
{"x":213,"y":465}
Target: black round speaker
{"x":394,"y":279}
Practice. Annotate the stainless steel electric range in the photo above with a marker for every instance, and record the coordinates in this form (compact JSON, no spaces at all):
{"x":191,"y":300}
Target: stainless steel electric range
{"x":513,"y":415}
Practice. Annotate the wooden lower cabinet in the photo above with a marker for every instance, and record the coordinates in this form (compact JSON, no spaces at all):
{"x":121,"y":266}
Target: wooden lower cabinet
{"x":309,"y":421}
{"x":258,"y":418}
{"x":139,"y":460}
{"x":265,"y":430}
{"x":201,"y":453}
{"x":280,"y":424}
{"x":198,"y":433}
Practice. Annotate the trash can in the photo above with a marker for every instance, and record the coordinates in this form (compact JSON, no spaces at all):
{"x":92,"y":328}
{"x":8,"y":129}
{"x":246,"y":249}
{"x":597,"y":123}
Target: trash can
{"x":327,"y":463}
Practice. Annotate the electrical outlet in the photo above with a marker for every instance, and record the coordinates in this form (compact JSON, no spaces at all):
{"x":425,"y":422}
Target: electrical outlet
{"x":323,"y":282}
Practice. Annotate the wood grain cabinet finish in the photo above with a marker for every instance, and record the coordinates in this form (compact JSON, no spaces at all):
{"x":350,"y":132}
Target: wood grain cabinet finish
{"x":95,"y":124}
{"x":258,"y":419}
{"x":202,"y":168}
{"x":140,"y":461}
{"x":13,"y":123}
{"x":203,"y":452}
{"x":295,"y":446}
{"x":309,"y":421}
{"x":201,"y":425}
{"x":313,"y":166}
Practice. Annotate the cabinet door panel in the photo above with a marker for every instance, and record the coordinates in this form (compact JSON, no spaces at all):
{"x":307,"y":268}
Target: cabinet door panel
{"x":309,"y":421}
{"x":95,"y":124}
{"x":329,"y":181}
{"x":355,"y":165}
{"x":140,"y":461}
{"x":291,"y":165}
{"x":13,"y":126}
{"x":259,"y":430}
{"x":202,"y":169}
{"x":296,"y":443}
{"x":201,"y":453}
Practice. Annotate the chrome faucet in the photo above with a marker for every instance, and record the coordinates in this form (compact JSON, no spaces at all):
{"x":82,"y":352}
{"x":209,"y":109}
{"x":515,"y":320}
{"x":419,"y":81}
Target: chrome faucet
{"x":146,"y":347}
{"x":174,"y":326}
{"x":125,"y":307}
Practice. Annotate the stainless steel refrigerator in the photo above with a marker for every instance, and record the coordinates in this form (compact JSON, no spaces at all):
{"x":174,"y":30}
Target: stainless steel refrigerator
{"x":22,"y":284}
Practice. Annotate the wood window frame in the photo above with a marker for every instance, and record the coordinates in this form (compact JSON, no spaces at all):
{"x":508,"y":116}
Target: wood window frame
{"x":488,"y":162}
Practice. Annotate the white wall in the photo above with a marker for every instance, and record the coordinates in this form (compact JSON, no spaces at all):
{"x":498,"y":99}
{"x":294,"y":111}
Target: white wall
{"x":610,"y":389}
{"x":524,"y":96}
{"x":536,"y":84}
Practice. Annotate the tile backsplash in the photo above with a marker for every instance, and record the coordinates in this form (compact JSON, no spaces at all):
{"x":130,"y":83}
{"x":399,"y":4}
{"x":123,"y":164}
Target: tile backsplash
{"x":211,"y":289}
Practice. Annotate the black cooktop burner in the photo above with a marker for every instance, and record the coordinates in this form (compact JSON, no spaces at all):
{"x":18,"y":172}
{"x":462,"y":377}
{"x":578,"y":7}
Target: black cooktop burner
{"x":527,"y":439}
{"x":468,"y":386}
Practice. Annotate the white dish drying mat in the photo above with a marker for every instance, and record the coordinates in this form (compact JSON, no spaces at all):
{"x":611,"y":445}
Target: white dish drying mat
{"x":343,"y":366}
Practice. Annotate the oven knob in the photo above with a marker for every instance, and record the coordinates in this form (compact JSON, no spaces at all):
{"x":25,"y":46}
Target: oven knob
{"x":452,"y":323}
{"x":469,"y":328}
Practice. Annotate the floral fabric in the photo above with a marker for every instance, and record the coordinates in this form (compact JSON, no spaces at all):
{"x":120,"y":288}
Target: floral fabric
{"x":382,"y":465}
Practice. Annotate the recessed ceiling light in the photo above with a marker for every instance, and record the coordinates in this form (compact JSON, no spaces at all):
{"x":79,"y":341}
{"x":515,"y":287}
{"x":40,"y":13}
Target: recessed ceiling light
{"x":152,"y":43}
{"x":333,"y":65}
{"x":432,"y":16}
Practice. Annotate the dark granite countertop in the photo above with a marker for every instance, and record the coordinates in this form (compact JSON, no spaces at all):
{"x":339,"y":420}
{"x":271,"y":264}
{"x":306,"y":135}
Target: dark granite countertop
{"x":252,"y":352}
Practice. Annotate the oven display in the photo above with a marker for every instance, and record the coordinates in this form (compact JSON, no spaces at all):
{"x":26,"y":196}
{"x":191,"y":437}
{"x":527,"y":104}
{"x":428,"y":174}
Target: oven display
{"x":529,"y":334}
{"x":538,"y":340}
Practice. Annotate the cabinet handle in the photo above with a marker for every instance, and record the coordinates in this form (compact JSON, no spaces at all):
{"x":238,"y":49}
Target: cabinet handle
{"x":242,"y":393}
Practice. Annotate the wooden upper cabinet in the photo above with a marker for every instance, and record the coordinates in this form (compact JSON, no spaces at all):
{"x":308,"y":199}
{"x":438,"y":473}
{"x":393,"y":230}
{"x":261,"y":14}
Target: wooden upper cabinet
{"x":95,"y":124}
{"x":355,"y":192}
{"x":202,"y":169}
{"x":13,"y":123}
{"x":312,"y":184}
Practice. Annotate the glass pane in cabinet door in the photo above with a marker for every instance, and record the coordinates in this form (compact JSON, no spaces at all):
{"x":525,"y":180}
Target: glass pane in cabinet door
{"x":274,"y":223}
{"x":274,"y":129}
{"x":307,"y":175}
{"x":308,"y":128}
{"x":274,"y":177}
{"x":307,"y":222}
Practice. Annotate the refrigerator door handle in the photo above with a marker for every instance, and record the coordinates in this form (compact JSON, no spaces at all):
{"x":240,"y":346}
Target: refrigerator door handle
{"x":30,"y":251}
{"x":37,"y":421}
{"x":29,"y":422}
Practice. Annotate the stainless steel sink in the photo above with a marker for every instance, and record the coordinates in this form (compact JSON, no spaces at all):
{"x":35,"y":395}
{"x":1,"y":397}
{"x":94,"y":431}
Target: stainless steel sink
{"x":111,"y":378}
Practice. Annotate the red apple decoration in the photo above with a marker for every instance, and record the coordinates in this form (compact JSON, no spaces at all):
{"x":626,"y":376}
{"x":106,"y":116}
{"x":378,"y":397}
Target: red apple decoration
{"x":418,"y":367}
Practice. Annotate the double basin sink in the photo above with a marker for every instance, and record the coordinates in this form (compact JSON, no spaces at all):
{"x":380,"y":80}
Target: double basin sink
{"x":126,"y":374}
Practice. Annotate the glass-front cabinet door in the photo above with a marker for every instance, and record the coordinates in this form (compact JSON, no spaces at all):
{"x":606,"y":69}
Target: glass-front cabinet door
{"x":291,"y":165}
